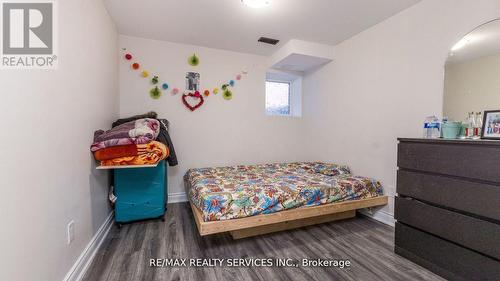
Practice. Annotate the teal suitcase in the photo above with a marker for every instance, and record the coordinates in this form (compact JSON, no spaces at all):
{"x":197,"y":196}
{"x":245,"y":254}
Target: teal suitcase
{"x":141,"y":193}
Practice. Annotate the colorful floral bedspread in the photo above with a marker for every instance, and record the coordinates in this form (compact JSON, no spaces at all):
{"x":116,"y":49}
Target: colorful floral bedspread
{"x":242,"y":191}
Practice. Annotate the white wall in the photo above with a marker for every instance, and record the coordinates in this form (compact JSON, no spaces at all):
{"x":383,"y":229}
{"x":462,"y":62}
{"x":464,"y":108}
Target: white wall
{"x":382,"y":84}
{"x":47,"y":171}
{"x":220,"y":132}
{"x":471,"y":86}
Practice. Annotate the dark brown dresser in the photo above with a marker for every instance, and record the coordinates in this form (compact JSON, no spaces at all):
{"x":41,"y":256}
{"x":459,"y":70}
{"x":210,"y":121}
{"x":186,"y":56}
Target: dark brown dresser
{"x":448,"y":207}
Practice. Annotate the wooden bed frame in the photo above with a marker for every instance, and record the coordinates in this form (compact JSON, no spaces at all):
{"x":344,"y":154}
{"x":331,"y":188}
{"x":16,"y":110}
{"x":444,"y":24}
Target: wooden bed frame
{"x":283,"y":220}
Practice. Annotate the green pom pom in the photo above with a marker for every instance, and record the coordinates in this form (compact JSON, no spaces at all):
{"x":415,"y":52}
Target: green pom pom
{"x":154,"y":80}
{"x":227,"y":95}
{"x":193,"y":60}
{"x":155,"y":93}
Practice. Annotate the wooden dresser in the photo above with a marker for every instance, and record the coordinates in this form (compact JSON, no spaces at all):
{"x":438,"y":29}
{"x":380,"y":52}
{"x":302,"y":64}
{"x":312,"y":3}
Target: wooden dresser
{"x":448,"y":207}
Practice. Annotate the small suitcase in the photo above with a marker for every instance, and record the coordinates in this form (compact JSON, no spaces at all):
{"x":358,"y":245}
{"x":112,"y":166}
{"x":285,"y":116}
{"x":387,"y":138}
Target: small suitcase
{"x":141,"y":193}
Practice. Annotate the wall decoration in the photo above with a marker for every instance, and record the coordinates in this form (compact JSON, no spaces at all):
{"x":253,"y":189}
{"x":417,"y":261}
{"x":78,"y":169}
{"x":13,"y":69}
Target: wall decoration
{"x":491,"y":125}
{"x":192,"y":81}
{"x":193,"y":60}
{"x":194,"y":96}
{"x":155,"y":93}
{"x":227,"y":95}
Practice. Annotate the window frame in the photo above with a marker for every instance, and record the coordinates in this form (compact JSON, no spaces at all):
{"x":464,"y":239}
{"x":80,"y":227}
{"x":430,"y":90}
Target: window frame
{"x":289,"y":97}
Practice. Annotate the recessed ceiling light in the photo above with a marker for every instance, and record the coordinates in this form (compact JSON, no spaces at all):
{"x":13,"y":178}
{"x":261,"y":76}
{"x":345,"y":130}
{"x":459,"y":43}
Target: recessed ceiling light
{"x":256,"y":3}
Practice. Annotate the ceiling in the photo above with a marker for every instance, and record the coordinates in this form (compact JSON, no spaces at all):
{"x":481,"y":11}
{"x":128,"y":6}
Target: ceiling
{"x":481,"y":42}
{"x":230,"y":25}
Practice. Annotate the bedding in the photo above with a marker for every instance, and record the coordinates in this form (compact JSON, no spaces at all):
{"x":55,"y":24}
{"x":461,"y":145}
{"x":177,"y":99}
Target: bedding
{"x":119,"y":151}
{"x":140,"y":131}
{"x":148,"y":154}
{"x":242,"y":191}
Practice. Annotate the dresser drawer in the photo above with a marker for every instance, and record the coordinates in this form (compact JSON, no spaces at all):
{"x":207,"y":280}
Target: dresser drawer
{"x":443,"y":257}
{"x":480,"y":162}
{"x":472,"y":197}
{"x":479,"y":235}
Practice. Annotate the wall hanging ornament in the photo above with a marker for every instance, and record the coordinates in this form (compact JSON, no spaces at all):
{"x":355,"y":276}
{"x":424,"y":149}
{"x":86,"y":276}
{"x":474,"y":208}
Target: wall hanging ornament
{"x":192,"y":100}
{"x":196,"y":97}
{"x":227,"y":95}
{"x":155,"y":93}
{"x":193,"y":60}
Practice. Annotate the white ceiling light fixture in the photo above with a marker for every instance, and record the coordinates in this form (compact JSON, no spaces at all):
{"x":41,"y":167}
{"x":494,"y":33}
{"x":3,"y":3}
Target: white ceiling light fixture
{"x":256,"y":3}
{"x":462,"y":43}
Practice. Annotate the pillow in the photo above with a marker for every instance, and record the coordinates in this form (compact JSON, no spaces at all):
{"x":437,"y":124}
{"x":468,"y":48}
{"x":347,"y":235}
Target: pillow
{"x":329,"y":169}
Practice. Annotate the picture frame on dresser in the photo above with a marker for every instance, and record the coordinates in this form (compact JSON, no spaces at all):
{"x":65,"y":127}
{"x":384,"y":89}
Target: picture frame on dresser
{"x":491,"y":125}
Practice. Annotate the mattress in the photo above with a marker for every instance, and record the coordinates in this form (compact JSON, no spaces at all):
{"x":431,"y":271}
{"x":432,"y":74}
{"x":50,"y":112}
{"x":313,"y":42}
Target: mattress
{"x":241,"y":191}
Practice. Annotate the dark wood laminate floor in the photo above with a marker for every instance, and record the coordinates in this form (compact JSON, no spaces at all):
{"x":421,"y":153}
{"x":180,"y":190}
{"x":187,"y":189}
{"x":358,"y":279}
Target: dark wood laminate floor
{"x":367,"y":244}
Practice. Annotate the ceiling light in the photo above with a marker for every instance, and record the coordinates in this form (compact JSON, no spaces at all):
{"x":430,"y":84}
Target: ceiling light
{"x":255,"y":3}
{"x":460,"y":44}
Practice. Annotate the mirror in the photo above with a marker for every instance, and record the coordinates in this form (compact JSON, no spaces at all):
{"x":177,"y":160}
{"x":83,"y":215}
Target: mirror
{"x":472,"y":73}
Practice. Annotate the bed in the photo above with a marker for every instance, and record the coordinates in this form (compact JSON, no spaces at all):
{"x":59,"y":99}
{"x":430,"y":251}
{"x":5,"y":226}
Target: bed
{"x":258,"y":199}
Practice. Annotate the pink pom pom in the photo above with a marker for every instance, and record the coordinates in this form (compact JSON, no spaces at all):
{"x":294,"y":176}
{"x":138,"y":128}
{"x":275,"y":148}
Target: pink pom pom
{"x":238,"y":77}
{"x":175,"y":91}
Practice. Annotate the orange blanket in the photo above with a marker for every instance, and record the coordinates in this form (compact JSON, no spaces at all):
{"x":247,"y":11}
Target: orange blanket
{"x":147,"y":154}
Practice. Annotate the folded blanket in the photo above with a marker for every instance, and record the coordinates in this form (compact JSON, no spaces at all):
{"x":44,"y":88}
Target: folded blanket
{"x":140,"y":131}
{"x":163,"y":136}
{"x":119,"y":151}
{"x":148,"y":154}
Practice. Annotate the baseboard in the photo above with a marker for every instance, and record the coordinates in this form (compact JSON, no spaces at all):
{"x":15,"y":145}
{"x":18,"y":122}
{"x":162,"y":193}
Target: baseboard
{"x":177,"y":197}
{"x":83,"y":262}
{"x":381,"y":216}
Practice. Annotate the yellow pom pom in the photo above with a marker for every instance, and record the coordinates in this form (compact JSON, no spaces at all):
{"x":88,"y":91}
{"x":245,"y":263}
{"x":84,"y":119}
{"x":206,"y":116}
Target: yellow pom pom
{"x":145,"y":73}
{"x":216,"y":91}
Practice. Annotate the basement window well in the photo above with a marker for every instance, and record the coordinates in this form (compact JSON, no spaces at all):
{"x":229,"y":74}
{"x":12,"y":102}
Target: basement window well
{"x":283,"y":95}
{"x":277,"y":98}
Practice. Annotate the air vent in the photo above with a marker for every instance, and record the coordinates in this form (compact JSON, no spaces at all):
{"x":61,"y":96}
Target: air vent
{"x":268,"y":40}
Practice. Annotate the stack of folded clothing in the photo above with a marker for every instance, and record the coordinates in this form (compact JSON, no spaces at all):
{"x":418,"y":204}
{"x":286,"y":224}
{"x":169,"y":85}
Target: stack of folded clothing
{"x":130,"y":143}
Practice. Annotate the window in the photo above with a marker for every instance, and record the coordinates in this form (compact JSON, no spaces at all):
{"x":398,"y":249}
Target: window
{"x":278,"y":98}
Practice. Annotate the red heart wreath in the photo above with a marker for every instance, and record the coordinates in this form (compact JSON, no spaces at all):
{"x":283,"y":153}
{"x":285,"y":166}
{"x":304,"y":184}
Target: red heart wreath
{"x":193,"y":95}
